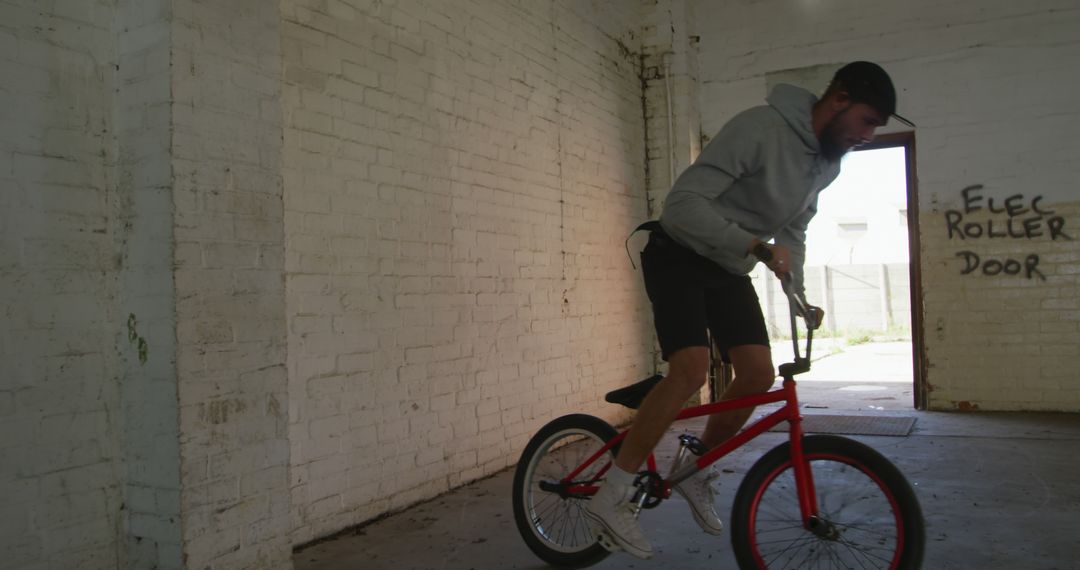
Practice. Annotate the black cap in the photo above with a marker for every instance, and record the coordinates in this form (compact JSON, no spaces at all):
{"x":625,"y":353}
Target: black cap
{"x":868,"y":83}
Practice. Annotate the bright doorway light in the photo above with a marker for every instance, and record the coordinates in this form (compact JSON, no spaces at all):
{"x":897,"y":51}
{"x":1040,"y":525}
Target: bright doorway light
{"x":862,"y":215}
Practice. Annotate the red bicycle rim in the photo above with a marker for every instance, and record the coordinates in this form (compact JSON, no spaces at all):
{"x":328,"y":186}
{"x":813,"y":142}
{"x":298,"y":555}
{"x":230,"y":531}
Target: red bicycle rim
{"x":841,"y":459}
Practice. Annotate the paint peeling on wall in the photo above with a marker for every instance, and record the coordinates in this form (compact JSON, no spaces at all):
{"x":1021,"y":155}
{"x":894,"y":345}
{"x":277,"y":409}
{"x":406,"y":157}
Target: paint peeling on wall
{"x":137,"y":340}
{"x":966,"y":406}
{"x":217,"y":411}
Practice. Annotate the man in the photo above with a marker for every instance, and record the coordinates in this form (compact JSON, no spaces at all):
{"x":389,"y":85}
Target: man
{"x":757,"y":180}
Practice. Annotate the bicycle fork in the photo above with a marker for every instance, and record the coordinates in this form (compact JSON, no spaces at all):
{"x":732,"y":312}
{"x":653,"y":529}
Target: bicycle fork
{"x":804,"y":476}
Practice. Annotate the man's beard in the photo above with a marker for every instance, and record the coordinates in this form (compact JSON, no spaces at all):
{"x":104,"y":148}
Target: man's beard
{"x":832,"y":146}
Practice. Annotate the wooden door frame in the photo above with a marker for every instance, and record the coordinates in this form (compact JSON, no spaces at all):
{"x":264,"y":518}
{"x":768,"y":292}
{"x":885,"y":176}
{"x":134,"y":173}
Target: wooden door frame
{"x":906,"y":140}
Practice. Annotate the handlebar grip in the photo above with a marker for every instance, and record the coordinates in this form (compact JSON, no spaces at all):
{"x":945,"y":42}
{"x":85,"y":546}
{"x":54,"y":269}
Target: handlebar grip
{"x":762,"y":252}
{"x":785,"y":283}
{"x":798,"y":302}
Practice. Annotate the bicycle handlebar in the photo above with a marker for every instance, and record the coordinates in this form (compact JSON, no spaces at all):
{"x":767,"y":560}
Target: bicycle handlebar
{"x":798,"y":302}
{"x":798,"y":307}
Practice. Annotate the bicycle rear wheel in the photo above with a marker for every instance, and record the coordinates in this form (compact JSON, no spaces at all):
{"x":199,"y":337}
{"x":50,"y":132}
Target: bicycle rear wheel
{"x":550,"y":517}
{"x":871,"y":513}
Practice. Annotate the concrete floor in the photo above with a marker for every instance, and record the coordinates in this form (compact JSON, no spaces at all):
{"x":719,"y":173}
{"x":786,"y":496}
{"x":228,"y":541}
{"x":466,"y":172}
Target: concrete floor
{"x":997,"y":491}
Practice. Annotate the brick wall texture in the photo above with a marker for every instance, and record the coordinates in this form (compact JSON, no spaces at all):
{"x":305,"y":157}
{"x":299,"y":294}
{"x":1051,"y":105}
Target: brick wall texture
{"x":459,"y":180}
{"x":230,"y":291}
{"x":272,"y":269}
{"x":141,"y":227}
{"x":60,"y":437}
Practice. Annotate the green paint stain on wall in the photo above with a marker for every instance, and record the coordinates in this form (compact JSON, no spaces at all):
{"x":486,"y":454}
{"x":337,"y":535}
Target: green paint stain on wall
{"x":137,"y":340}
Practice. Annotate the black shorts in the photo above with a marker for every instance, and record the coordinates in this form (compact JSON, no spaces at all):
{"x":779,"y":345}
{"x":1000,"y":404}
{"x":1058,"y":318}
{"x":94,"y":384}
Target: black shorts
{"x":691,"y":293}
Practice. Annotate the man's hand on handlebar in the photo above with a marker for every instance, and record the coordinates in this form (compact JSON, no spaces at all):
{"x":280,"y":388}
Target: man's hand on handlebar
{"x":776,"y":257}
{"x":818,"y":316}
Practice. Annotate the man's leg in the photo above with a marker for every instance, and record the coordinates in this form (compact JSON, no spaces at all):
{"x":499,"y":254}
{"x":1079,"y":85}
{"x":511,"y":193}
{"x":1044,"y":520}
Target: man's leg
{"x":687,"y":369}
{"x":610,"y":509}
{"x":686,"y":373}
{"x":754,"y":374}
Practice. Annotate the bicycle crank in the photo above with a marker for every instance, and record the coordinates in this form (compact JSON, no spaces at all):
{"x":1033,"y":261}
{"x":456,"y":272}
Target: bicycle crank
{"x":650,"y":490}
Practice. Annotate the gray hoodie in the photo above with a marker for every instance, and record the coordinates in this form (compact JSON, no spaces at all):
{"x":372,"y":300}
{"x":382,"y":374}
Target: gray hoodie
{"x":759,"y":177}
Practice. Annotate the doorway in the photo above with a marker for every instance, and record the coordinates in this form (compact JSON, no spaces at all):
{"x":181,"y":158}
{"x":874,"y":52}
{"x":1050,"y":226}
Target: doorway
{"x":862,"y":267}
{"x":862,"y":248}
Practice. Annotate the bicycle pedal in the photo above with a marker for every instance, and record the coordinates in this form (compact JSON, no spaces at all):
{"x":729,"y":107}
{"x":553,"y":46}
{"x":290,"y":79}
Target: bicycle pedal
{"x":607,"y":542}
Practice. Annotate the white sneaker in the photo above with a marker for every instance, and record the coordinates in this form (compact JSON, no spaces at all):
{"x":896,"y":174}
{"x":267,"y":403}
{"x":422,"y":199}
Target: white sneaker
{"x":699,"y":494}
{"x":614,"y":520}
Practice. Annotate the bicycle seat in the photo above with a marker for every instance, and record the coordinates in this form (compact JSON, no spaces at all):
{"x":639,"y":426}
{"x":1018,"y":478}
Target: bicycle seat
{"x":632,"y":395}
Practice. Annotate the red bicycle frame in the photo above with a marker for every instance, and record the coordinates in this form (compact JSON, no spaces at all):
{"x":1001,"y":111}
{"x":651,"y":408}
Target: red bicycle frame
{"x":789,"y":412}
{"x":804,"y":481}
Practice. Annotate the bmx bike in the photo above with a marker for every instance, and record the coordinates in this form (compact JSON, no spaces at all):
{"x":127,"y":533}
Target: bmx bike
{"x":815,"y":501}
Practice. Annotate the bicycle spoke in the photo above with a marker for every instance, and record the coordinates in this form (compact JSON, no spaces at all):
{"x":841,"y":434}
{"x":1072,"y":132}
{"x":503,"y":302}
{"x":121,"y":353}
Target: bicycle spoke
{"x":834,"y":558}
{"x":866,"y":551}
{"x":548,"y":507}
{"x":569,"y":535}
{"x":799,"y":543}
{"x":795,"y":527}
{"x":877,"y":536}
{"x":564,"y":524}
{"x":791,"y":546}
{"x":580,"y":523}
{"x":784,"y":540}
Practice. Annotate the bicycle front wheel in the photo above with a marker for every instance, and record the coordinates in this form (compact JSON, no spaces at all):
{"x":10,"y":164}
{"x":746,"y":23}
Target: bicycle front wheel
{"x":550,"y":516}
{"x":870,"y":514}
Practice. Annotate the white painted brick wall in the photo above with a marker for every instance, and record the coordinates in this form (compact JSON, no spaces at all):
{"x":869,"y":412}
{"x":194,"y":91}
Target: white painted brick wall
{"x":230,"y":354}
{"x":389,"y":299}
{"x":994,"y":107}
{"x":671,"y":70}
{"x":459,"y":179}
{"x":59,"y":437}
{"x":141,"y":220}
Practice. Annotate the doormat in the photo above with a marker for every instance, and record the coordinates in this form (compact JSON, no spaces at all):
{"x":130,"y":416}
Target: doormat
{"x":895,"y":426}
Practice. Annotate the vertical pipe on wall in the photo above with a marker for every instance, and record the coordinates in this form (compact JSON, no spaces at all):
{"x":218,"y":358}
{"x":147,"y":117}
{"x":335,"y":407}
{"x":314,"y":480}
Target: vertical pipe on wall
{"x":883,"y":272}
{"x":666,"y":59}
{"x":770,"y":309}
{"x":826,"y":299}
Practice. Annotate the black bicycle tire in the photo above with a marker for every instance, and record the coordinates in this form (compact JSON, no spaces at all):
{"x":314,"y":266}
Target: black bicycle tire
{"x":587,"y":424}
{"x":862,"y":457}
